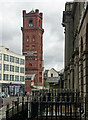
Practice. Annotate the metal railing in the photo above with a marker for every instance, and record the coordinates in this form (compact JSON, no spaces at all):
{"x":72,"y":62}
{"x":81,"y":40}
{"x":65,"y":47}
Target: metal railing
{"x":49,"y":105}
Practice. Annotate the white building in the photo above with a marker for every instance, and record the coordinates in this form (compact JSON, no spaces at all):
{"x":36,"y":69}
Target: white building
{"x":12,"y":72}
{"x":53,"y":73}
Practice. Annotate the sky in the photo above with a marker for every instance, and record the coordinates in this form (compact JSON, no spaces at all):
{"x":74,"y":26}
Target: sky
{"x":11,"y":21}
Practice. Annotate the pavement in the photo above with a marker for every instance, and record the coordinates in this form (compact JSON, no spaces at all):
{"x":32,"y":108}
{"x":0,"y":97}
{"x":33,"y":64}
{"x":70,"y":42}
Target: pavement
{"x":6,"y":101}
{"x":3,"y":113}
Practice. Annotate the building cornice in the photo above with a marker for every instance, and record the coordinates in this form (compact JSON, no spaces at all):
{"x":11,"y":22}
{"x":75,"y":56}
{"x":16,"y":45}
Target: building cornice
{"x":32,"y":16}
{"x":35,"y":28}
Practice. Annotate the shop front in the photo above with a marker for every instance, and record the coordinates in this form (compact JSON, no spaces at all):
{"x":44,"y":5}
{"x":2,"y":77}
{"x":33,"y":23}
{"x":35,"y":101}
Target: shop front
{"x":13,"y":89}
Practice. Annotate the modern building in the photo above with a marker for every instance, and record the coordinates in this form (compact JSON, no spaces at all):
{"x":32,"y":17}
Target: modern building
{"x":32,"y":32}
{"x":12,"y":72}
{"x":75,"y":21}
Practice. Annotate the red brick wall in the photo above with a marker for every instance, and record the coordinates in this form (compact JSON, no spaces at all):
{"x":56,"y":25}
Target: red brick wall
{"x":34,"y":65}
{"x":27,"y":86}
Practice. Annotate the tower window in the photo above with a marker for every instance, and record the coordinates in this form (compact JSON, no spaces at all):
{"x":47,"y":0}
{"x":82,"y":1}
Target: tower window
{"x":30,"y":23}
{"x":33,"y":46}
{"x":27,"y":39}
{"x":33,"y":39}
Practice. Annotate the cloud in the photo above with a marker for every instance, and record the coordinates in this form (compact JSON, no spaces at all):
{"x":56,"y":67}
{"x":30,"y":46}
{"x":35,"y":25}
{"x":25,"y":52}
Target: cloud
{"x":12,"y":20}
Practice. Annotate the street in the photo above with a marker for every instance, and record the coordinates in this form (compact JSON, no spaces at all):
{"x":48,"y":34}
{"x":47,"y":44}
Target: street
{"x":6,"y":101}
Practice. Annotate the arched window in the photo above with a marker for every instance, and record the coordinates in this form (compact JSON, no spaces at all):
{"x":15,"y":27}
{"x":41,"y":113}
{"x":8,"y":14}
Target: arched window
{"x":27,"y":38}
{"x":33,"y":38}
{"x":33,"y":47}
{"x":30,"y":23}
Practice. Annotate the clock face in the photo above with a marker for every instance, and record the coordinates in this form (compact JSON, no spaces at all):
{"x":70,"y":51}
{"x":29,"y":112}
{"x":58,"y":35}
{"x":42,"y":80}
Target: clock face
{"x":30,"y":23}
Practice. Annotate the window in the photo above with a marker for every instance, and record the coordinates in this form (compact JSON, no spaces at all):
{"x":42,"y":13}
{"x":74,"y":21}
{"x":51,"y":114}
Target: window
{"x":11,"y":59}
{"x":6,"y":67}
{"x":16,"y":69}
{"x":40,"y":73}
{"x":5,"y":77}
{"x":16,"y":78}
{"x":27,"y":38}
{"x":12,"y":68}
{"x":30,"y":57}
{"x":6,"y":57}
{"x":51,"y":75}
{"x":27,"y":47}
{"x":30,"y":23}
{"x":17,"y":60}
{"x":0,"y":76}
{"x":22,"y":61}
{"x":0,"y":66}
{"x":0,"y":56}
{"x":33,"y":38}
{"x":36,"y":58}
{"x":22,"y":78}
{"x":11,"y":77}
{"x":33,"y":46}
{"x":21,"y":70}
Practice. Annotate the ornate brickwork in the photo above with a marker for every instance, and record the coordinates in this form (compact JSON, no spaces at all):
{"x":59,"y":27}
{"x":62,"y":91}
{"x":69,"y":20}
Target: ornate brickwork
{"x":32,"y":32}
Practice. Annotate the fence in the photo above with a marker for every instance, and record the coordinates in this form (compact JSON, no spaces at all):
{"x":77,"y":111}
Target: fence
{"x":18,"y":111}
{"x":49,"y":105}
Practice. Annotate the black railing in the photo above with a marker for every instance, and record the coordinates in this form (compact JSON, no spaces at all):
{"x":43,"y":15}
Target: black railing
{"x":49,"y":105}
{"x":19,"y":110}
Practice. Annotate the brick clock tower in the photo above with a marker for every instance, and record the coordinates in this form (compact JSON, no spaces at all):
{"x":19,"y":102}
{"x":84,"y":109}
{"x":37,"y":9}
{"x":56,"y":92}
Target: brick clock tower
{"x":32,"y":33}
